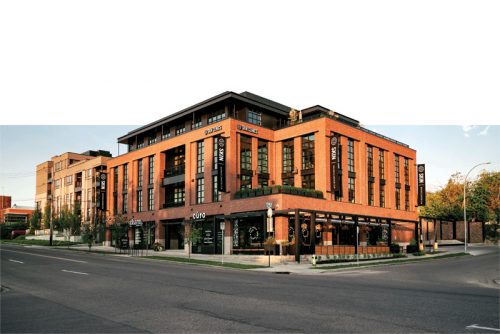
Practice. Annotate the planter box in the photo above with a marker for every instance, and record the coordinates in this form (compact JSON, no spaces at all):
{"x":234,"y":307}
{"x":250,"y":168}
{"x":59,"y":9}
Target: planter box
{"x":412,"y":249}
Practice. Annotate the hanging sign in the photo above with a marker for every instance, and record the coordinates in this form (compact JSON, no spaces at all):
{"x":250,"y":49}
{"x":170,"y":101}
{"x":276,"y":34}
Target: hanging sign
{"x":334,"y":158}
{"x":421,"y":184}
{"x":221,"y":164}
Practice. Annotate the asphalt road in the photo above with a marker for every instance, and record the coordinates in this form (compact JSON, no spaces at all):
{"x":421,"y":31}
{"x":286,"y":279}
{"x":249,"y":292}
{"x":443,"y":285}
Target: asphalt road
{"x":47,"y":290}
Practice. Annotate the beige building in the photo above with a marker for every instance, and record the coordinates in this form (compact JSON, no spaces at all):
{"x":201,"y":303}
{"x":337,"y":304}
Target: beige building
{"x":67,"y":180}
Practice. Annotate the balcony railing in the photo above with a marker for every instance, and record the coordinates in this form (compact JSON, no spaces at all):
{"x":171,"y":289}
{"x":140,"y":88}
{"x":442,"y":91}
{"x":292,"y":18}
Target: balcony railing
{"x":174,"y":170}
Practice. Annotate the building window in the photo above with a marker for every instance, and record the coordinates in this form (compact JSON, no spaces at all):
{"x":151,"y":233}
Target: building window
{"x":369,"y":152}
{"x":200,"y":157}
{"x":246,"y":162}
{"x":398,"y":198}
{"x":287,"y":158}
{"x":179,"y":195}
{"x":165,"y":134}
{"x":382,"y":196}
{"x":381,"y":167}
{"x":151,"y":199}
{"x":152,"y":140}
{"x":216,"y":194}
{"x":396,"y":168}
{"x":262,"y":164}
{"x":308,"y":181}
{"x":115,"y":190}
{"x":124,"y":203}
{"x":352,"y":194}
{"x":254,"y":117}
{"x":139,"y":173}
{"x":200,"y":190}
{"x":196,"y":123}
{"x":58,"y":166}
{"x":308,"y":152}
{"x":69,"y":179}
{"x":350,"y":155}
{"x":58,"y":183}
{"x":407,"y":199}
{"x":370,"y":193}
{"x":89,"y":172}
{"x":139,"y":200}
{"x":180,"y":129}
{"x":125,"y":178}
{"x":151,"y":168}
{"x":407,"y":172}
{"x":141,"y":143}
{"x":216,"y":116}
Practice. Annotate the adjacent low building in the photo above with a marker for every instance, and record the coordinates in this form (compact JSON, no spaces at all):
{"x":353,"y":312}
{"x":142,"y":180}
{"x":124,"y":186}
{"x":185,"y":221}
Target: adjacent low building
{"x":243,"y":168}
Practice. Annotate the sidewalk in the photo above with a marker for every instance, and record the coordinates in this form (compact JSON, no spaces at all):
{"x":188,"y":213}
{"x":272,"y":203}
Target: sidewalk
{"x":287,"y":264}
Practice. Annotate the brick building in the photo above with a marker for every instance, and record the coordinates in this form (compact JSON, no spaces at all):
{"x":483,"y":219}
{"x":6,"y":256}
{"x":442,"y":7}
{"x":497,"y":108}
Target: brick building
{"x":68,"y":180}
{"x":229,"y":158}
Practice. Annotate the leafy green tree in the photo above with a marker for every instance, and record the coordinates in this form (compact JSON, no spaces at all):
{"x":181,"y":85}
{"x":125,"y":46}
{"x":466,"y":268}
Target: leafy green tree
{"x":35,"y":220}
{"x":193,"y":236}
{"x":88,"y":235}
{"x":47,"y":212}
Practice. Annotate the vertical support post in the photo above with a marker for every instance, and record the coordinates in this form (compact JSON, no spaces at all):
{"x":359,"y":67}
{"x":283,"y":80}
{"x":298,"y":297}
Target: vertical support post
{"x":313,"y":232}
{"x":389,"y":238}
{"x":297,"y":239}
{"x":356,"y":227}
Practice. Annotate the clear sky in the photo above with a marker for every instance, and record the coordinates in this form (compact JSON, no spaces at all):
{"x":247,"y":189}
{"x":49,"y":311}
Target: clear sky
{"x":122,"y":62}
{"x":444,"y":149}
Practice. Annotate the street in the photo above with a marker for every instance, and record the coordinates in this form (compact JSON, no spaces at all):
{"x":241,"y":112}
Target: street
{"x":48,"y":290}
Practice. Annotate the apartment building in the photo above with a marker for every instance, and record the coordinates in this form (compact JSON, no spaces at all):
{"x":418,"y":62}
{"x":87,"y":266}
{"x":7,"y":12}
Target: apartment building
{"x":242,"y":168}
{"x":68,"y":180}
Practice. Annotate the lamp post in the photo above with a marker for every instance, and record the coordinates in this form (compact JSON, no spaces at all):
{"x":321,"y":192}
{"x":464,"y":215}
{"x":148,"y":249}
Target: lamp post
{"x":465,"y":208}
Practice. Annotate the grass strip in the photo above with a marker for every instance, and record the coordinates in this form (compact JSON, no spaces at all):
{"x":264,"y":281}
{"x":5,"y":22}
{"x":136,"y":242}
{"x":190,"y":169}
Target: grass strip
{"x":392,"y":262}
{"x":205,"y":262}
{"x":38,"y":242}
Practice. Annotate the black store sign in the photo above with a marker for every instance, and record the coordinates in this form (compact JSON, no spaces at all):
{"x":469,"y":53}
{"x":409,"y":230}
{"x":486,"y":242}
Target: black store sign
{"x":221,"y":164}
{"x":421,"y":184}
{"x":334,"y":157}
{"x":101,"y":188}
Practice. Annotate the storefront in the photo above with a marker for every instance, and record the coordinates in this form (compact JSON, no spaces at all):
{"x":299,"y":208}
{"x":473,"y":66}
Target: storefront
{"x":249,"y":233}
{"x":174,"y":234}
{"x":211,"y":234}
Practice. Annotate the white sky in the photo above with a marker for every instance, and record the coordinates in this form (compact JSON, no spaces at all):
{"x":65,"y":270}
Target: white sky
{"x":133,"y":62}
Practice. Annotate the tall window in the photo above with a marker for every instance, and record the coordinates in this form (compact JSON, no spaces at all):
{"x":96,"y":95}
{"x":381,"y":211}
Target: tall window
{"x":369,"y":153}
{"x":254,"y":117}
{"x":200,"y":190}
{"x":179,"y":195}
{"x":370,"y":193}
{"x":200,"y":156}
{"x":308,"y":162}
{"x":165,"y":134}
{"x":139,"y":173}
{"x":262,"y":164}
{"x":115,"y":191}
{"x":216,"y":116}
{"x":125,"y":178}
{"x":381,"y":175}
{"x":287,"y":156}
{"x":124,"y":203}
{"x":152,"y":140}
{"x":407,"y":184}
{"x":151,"y":199}
{"x":245,"y":162}
{"x":398,"y":198}
{"x":139,"y":200}
{"x":151,"y":168}
{"x":351,"y":171}
{"x":396,"y":168}
{"x":216,"y":194}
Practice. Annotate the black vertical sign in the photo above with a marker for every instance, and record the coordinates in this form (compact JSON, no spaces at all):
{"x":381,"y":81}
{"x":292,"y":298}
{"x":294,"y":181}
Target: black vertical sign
{"x":334,"y":158}
{"x":221,"y":164}
{"x":103,"y":181}
{"x":421,"y":184}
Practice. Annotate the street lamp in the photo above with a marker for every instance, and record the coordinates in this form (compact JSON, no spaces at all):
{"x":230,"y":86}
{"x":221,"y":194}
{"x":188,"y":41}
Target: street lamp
{"x":465,"y":209}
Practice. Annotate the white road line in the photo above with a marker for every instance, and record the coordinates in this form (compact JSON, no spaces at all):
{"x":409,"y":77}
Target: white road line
{"x":50,"y":257}
{"x":74,"y":272}
{"x":16,"y":261}
{"x":475,"y":326}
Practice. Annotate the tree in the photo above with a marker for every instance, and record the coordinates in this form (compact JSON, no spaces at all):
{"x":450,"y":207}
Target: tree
{"x":88,"y":235}
{"x":118,"y":227}
{"x":193,"y":236}
{"x":446,"y":203}
{"x":47,"y":212}
{"x":35,"y":220}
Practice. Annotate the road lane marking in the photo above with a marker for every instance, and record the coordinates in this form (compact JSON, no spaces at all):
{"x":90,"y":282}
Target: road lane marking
{"x":16,"y":261}
{"x":74,"y":272}
{"x":475,"y":326}
{"x":50,"y":257}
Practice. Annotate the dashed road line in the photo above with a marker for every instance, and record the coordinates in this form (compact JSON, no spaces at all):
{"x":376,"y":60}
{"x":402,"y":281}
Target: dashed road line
{"x":74,"y":272}
{"x":16,"y":261}
{"x":47,"y":256}
{"x":475,"y":326}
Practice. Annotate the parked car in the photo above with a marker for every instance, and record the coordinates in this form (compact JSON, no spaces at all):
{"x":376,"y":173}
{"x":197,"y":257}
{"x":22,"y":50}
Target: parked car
{"x":16,"y":233}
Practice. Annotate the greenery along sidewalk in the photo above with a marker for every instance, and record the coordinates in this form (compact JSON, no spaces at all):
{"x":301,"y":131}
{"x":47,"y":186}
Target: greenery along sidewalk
{"x":204,"y":262}
{"x":390,"y":262}
{"x":22,"y":241}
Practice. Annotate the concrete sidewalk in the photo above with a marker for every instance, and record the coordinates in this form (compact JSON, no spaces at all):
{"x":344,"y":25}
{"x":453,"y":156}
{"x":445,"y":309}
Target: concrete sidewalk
{"x":287,"y":264}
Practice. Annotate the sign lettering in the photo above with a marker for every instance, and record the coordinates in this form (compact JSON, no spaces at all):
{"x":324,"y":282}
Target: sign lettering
{"x":247,"y":129}
{"x":421,"y":184}
{"x":214,"y":129}
{"x":334,"y":151}
{"x":221,"y":164}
